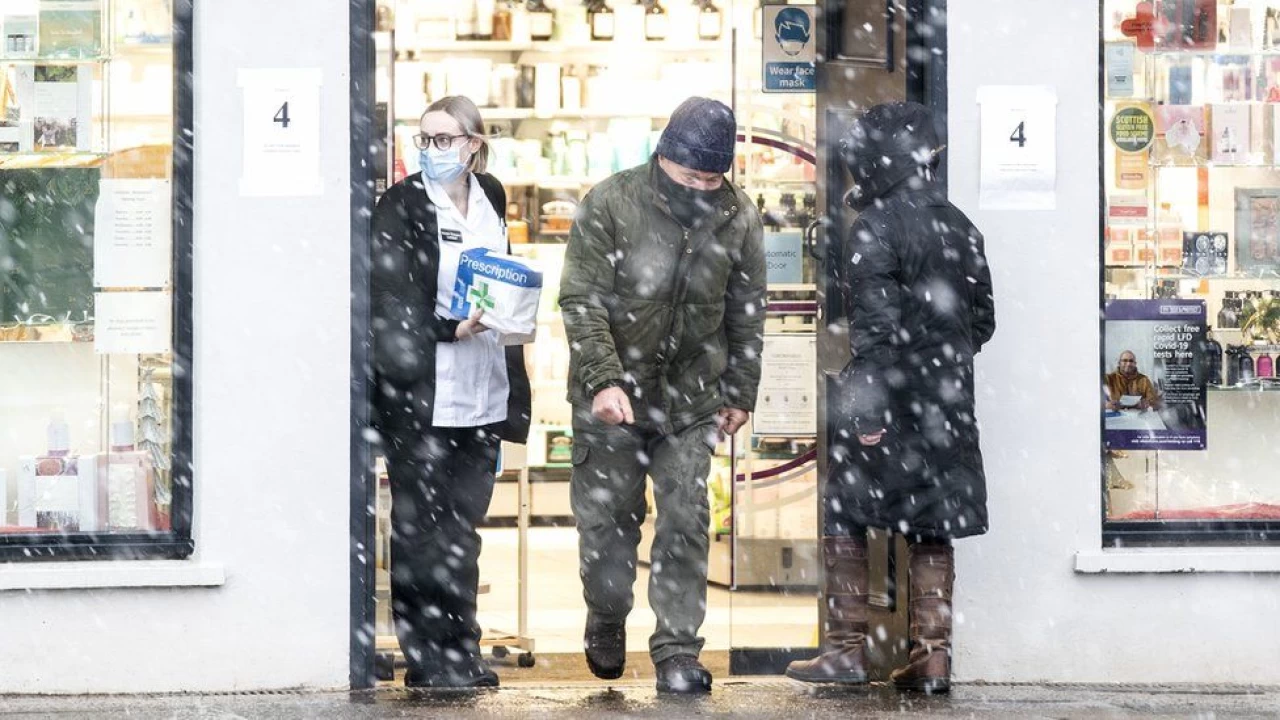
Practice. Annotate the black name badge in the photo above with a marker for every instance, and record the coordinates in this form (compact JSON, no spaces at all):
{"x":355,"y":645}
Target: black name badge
{"x":449,"y":235}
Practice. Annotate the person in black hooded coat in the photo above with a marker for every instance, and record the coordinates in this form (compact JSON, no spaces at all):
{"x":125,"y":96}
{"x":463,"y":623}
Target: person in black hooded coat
{"x":905,"y":455}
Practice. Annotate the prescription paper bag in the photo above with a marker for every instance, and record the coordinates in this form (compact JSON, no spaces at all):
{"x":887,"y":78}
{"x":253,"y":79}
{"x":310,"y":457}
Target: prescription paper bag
{"x":506,"y":287}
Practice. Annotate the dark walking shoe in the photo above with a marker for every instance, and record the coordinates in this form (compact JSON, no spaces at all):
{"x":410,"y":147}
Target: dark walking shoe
{"x":471,"y":672}
{"x":682,"y":674}
{"x":606,"y":648}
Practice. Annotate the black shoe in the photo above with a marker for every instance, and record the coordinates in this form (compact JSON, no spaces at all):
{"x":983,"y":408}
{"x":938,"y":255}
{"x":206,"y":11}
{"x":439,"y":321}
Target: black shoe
{"x":471,"y":672}
{"x":606,"y":648}
{"x":682,"y":674}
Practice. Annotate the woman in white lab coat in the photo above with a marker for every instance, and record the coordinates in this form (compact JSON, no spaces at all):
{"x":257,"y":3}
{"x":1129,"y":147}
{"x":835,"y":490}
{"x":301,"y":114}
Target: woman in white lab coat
{"x":447,"y":392}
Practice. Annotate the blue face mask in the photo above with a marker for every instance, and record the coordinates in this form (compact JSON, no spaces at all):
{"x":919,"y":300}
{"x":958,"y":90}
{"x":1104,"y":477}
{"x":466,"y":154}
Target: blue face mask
{"x":442,"y":166}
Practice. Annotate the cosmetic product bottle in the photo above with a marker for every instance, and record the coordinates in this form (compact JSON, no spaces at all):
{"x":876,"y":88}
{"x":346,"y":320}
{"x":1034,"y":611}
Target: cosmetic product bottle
{"x":709,"y":20}
{"x":1213,"y":359}
{"x":1228,"y":316}
{"x":502,"y":21}
{"x":541,"y":21}
{"x":1265,"y":366}
{"x":485,"y":10}
{"x":465,"y":20}
{"x":600,"y":16}
{"x":655,"y":20}
{"x":1247,"y":374}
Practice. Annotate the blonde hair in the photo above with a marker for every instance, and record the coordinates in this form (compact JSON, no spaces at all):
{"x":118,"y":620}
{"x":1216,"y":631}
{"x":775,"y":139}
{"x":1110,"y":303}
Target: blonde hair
{"x":467,"y":115}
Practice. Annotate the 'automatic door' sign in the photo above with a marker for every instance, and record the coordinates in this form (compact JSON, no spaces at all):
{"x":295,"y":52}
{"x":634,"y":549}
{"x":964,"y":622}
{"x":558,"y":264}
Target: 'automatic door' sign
{"x":789,"y":49}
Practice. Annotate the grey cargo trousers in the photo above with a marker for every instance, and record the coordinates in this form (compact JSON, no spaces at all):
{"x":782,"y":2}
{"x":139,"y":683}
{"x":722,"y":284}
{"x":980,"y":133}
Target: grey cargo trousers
{"x":607,"y":494}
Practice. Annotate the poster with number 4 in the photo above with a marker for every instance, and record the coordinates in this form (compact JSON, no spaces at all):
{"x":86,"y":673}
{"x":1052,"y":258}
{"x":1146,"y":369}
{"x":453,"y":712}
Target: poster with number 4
{"x":1019,"y":146}
{"x":281,"y":132}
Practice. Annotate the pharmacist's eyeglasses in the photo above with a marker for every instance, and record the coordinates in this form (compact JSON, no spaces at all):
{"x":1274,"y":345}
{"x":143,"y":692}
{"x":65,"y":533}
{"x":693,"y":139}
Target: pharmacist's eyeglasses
{"x":442,"y":142}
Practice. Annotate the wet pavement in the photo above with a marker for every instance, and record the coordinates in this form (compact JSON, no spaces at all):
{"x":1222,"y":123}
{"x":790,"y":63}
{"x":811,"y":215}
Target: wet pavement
{"x":745,"y":698}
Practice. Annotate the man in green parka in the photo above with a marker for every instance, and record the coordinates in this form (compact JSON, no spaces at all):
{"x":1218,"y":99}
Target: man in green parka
{"x":663,"y":299}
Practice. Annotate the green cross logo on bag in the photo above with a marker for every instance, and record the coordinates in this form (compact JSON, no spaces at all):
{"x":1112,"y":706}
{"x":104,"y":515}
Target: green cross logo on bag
{"x":479,"y":295}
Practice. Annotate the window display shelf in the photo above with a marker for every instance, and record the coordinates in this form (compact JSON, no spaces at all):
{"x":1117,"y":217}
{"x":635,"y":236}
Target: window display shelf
{"x":448,"y":47}
{"x":55,"y":60}
{"x":44,"y":341}
{"x":550,"y":182}
{"x":1216,"y":166}
{"x":767,"y":182}
{"x":1269,"y":388}
{"x":1167,"y":55}
{"x":29,"y":160}
{"x":1231,"y":277}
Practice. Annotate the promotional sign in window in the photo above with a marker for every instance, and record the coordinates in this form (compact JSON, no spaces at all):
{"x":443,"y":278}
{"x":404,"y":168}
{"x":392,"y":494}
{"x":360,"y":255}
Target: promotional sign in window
{"x":789,"y":49}
{"x":1154,"y":390}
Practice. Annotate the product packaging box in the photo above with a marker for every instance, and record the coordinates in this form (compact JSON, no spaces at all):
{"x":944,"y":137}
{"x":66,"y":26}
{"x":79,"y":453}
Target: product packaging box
{"x":505,"y":287}
{"x":1205,"y":253}
{"x":1180,"y":136}
{"x":1231,"y":134}
{"x":71,"y":28}
{"x":19,"y":36}
{"x":57,"y":493}
{"x":125,"y":493}
{"x":1187,"y":24}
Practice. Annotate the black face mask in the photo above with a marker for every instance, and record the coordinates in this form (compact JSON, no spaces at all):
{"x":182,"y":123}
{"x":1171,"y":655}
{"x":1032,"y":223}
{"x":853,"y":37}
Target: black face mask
{"x":687,"y":204}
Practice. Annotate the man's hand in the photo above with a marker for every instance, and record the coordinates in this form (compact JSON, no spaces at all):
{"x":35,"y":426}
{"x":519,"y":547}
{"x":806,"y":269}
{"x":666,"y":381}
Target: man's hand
{"x":611,"y":406}
{"x":730,"y":419}
{"x":470,"y":327}
{"x":872,"y":439}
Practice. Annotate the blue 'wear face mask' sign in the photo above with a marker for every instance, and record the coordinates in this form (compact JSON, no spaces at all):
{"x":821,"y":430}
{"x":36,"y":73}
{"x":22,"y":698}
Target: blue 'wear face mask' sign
{"x":789,"y":51}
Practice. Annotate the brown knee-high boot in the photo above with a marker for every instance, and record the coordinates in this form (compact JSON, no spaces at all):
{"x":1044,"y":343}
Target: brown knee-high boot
{"x":845,"y":659}
{"x":932,"y":575}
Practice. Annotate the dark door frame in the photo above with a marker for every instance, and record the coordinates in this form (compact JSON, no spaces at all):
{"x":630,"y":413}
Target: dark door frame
{"x":363,"y":487}
{"x":910,"y":64}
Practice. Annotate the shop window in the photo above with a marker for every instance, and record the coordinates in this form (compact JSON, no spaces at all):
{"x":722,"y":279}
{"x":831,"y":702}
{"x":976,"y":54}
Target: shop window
{"x":95,"y":279}
{"x":1190,"y":140}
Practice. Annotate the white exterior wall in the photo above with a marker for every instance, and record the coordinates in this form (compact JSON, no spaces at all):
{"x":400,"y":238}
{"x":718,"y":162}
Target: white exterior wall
{"x":1024,"y":614}
{"x":272,"y":324}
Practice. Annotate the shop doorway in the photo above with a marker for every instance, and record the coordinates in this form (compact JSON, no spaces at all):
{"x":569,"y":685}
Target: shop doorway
{"x":553,"y":140}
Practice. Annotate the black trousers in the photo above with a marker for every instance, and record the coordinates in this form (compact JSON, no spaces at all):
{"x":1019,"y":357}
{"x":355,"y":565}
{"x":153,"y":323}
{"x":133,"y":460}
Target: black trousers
{"x":441,"y":484}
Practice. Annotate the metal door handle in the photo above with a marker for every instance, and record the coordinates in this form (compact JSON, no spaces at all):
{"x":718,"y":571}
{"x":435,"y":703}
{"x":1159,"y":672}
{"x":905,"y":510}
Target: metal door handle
{"x":811,"y":239}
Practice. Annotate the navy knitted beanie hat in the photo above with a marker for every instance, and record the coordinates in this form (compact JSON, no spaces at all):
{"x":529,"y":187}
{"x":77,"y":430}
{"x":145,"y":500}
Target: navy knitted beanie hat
{"x":700,"y":135}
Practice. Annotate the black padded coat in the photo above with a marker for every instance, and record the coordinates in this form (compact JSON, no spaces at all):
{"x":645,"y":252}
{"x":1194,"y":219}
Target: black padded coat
{"x":917,"y":292}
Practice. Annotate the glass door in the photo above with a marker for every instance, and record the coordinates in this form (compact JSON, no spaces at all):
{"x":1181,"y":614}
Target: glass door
{"x":767,"y":510}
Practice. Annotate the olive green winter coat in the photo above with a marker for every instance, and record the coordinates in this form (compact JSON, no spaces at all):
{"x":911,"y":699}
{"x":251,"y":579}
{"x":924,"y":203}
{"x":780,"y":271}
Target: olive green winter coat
{"x":673,"y":316}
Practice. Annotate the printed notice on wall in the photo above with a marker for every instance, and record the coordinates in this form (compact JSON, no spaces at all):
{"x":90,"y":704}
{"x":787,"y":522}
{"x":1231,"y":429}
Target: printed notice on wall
{"x":281,"y":132}
{"x":132,"y":323}
{"x":1158,"y":371}
{"x":1119,"y":57}
{"x":1019,"y":147}
{"x":789,"y":49}
{"x":787,"y":400}
{"x":131,"y":236}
